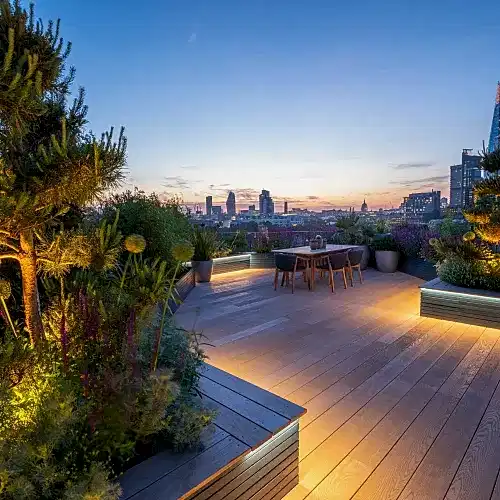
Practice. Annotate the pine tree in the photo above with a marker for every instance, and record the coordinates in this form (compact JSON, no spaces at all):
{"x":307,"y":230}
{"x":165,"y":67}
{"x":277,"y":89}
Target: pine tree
{"x":49,"y":162}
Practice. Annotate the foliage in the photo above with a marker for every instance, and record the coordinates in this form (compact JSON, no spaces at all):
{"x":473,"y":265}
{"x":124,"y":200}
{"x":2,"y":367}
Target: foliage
{"x":382,"y":227}
{"x":162,"y":224}
{"x":50,"y":163}
{"x":385,"y":243}
{"x":470,"y":273}
{"x":410,"y":238}
{"x":450,"y":227}
{"x":207,"y":244}
{"x":353,"y":230}
{"x":236,"y":242}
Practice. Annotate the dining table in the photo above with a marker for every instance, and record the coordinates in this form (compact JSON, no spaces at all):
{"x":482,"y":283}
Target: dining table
{"x":310,"y":256}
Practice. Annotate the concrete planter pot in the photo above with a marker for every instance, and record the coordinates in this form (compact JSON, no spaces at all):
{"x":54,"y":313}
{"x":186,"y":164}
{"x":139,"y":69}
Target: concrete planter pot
{"x":387,"y":261}
{"x":203,"y":270}
{"x":366,"y":257}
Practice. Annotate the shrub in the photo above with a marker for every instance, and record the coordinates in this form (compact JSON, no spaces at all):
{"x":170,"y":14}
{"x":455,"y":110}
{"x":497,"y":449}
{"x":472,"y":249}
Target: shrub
{"x":162,"y":224}
{"x":469,"y":273}
{"x":410,"y":238}
{"x":385,"y":243}
{"x":207,"y":244}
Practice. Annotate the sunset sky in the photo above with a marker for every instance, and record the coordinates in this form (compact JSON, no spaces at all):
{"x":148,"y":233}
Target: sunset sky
{"x":321,"y":102}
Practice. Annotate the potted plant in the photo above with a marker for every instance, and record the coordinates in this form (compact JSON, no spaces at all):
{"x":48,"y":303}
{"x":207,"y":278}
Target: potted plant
{"x":355,"y":231}
{"x":206,"y":245}
{"x":386,"y":254}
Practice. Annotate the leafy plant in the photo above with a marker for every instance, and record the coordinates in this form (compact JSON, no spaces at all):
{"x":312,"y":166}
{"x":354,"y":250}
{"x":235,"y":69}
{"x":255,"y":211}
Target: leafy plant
{"x":385,"y":243}
{"x":206,"y":243}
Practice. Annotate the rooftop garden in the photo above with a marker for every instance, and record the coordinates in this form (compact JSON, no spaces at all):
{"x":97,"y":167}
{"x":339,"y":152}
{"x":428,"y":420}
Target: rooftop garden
{"x":94,"y":374}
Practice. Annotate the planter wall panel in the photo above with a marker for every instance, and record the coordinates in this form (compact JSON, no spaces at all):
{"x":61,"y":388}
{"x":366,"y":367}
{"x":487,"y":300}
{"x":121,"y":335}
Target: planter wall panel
{"x":444,"y":301}
{"x":233,"y":263}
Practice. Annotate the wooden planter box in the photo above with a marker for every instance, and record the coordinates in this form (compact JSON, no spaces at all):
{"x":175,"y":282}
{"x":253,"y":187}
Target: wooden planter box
{"x":465,"y":305}
{"x":251,"y":449}
{"x":231,"y":263}
{"x":183,"y":287}
{"x":262,"y":260}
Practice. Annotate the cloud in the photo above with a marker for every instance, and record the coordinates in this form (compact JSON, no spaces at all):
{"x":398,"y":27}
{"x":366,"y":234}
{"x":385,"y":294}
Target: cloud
{"x":412,"y":182}
{"x":192,"y":38}
{"x":190,"y":167}
{"x":176,"y":182}
{"x":409,"y":165}
{"x":312,"y":197}
{"x":246,"y":194}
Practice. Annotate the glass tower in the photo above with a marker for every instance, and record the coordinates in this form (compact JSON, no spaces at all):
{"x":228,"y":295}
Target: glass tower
{"x":495,"y":124}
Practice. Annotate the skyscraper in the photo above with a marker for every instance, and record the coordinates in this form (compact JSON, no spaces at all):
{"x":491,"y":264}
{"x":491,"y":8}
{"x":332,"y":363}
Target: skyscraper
{"x":266,"y":203}
{"x":494,"y":142}
{"x":231,"y":204}
{"x":462,"y":180}
{"x":208,"y":205}
{"x":422,"y":207}
{"x":285,"y":207}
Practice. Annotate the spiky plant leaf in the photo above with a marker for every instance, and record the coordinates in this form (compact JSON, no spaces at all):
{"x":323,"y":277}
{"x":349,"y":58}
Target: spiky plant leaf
{"x":490,"y":186}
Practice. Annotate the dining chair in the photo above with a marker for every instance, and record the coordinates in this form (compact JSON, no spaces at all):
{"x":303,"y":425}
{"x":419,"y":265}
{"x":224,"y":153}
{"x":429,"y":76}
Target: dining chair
{"x":334,"y":263}
{"x":287,"y":264}
{"x":354,"y":258}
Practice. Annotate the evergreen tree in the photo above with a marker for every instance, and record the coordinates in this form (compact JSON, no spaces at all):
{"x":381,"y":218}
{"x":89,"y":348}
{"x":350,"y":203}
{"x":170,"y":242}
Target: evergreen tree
{"x":49,"y":162}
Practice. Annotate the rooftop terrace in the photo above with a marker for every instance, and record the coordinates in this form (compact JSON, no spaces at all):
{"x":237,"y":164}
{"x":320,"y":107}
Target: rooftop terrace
{"x":398,"y":406}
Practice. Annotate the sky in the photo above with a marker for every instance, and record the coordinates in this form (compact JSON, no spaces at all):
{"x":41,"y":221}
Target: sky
{"x":322,"y":102}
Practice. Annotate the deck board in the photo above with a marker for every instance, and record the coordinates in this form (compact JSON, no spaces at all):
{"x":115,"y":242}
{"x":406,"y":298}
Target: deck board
{"x":399,"y":406}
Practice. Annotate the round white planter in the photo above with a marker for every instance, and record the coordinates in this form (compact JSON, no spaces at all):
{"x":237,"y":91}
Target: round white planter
{"x":365,"y":258}
{"x":387,"y":261}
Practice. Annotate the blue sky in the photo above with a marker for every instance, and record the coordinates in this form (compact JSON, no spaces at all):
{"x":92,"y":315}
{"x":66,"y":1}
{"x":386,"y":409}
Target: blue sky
{"x":320,"y":101}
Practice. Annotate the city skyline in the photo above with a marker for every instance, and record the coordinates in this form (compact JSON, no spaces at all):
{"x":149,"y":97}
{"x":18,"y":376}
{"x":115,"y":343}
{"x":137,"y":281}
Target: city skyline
{"x":317,"y":105}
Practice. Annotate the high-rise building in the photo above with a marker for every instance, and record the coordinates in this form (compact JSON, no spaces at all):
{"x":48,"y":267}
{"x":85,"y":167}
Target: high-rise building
{"x":494,"y":142}
{"x":217,"y":210}
{"x":444,"y":203}
{"x":285,"y":207}
{"x":266,"y":203}
{"x":208,"y":205}
{"x":422,"y":207}
{"x":364,"y":206}
{"x":463,"y":177}
{"x":231,"y":204}
{"x":251,"y":208}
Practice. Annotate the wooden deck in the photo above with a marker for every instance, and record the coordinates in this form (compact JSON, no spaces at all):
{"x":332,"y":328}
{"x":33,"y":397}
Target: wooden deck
{"x":398,"y":406}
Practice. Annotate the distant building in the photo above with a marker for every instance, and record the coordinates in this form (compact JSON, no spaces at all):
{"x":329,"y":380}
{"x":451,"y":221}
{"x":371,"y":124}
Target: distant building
{"x":266,"y":203}
{"x":494,"y":142}
{"x":285,"y":207}
{"x":217,"y":210}
{"x":251,"y":208}
{"x":208,"y":205}
{"x":422,"y":207}
{"x":231,"y":204}
{"x":364,"y":206}
{"x":444,"y":203}
{"x":463,"y":177}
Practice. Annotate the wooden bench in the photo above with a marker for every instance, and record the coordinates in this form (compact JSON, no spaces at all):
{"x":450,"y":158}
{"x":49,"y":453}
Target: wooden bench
{"x":251,"y":451}
{"x":465,"y":305}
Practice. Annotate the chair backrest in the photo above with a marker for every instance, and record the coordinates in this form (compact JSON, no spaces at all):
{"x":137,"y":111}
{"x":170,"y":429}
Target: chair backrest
{"x":355,"y":257}
{"x":338,"y":260}
{"x":284,"y":261}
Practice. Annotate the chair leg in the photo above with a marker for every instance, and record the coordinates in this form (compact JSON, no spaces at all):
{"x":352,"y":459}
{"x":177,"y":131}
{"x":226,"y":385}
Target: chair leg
{"x":360,"y":274}
{"x":283,"y":279}
{"x":293,"y":282}
{"x":345,"y":280}
{"x":276,"y":276}
{"x":352,"y":275}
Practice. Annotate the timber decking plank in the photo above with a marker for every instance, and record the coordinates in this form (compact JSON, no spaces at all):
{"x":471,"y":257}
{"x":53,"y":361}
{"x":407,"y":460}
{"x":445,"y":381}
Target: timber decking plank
{"x":254,"y":393}
{"x":394,"y":470}
{"x":435,"y":473}
{"x":143,"y":474}
{"x":194,"y":473}
{"x":478,"y":471}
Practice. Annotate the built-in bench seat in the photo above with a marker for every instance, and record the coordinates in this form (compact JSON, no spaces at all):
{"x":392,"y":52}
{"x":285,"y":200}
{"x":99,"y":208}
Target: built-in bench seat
{"x":251,"y":450}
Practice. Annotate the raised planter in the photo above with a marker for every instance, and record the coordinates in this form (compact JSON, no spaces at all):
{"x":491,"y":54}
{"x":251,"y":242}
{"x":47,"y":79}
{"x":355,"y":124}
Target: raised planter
{"x":420,"y":268}
{"x":251,"y":449}
{"x":387,"y":261}
{"x":231,"y":263}
{"x":465,"y":305}
{"x":262,"y":260}
{"x":183,"y":286}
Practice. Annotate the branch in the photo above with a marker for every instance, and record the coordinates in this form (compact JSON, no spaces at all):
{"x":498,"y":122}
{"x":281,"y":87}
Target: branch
{"x":9,"y":244}
{"x":9,"y":256}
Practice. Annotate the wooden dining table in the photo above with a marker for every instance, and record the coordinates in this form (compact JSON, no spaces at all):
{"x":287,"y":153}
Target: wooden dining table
{"x":311,"y":256}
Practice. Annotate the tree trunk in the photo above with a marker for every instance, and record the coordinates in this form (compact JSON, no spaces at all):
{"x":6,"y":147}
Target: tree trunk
{"x":32,"y":315}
